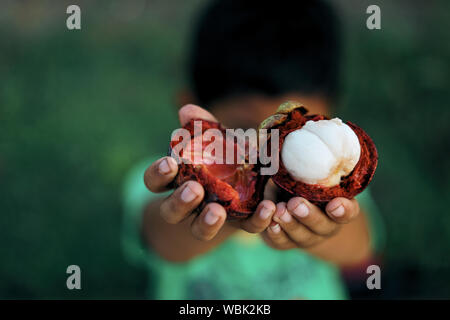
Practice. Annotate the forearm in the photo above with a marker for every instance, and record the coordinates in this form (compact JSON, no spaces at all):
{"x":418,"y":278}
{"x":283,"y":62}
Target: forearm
{"x":175,"y":242}
{"x":349,"y":246}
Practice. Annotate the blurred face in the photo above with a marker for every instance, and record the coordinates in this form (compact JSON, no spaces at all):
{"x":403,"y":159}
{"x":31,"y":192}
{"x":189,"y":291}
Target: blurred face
{"x":249,"y":111}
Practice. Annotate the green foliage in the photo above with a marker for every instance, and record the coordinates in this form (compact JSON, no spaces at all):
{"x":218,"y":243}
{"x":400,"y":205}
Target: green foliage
{"x":397,"y":87}
{"x":77,"y":113}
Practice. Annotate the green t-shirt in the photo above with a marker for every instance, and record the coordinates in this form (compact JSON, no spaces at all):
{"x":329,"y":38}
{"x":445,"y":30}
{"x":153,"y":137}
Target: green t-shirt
{"x":243,"y":267}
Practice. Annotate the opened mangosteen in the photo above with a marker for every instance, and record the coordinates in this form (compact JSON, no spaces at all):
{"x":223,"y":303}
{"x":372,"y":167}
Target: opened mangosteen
{"x":238,"y":186}
{"x":321,"y":158}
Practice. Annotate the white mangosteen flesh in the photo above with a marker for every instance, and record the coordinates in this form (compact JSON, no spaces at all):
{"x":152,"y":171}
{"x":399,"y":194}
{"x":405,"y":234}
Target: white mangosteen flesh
{"x":321,"y":152}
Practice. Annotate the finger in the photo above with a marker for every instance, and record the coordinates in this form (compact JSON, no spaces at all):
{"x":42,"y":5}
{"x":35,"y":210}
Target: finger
{"x":275,"y":234}
{"x":267,"y":237}
{"x":259,"y":221}
{"x":311,"y":216}
{"x":276,"y":238}
{"x":160,"y":174}
{"x":190,"y":111}
{"x":296,"y":231}
{"x":182,"y":202}
{"x":342,"y":210}
{"x":209,"y":222}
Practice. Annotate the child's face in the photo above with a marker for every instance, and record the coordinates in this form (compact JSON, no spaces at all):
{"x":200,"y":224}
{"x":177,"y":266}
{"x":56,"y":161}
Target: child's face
{"x":250,"y":111}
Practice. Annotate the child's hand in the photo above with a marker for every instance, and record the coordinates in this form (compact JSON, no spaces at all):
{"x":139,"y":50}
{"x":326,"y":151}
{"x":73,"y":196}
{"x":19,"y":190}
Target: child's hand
{"x":300,"y":224}
{"x":180,"y":204}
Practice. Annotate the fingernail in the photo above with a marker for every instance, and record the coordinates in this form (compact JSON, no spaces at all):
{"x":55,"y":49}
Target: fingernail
{"x":281,"y":209}
{"x":286,"y":217}
{"x":187,"y":195}
{"x":211,"y":218}
{"x":164,"y":167}
{"x":301,"y":210}
{"x":276,"y":228}
{"x":338,"y":212}
{"x":265,"y":212}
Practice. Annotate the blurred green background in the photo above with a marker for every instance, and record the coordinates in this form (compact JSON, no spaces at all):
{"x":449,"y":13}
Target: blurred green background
{"x":79,"y":108}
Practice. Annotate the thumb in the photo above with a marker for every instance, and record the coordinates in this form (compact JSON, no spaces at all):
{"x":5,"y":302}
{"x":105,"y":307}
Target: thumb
{"x":190,"y":111}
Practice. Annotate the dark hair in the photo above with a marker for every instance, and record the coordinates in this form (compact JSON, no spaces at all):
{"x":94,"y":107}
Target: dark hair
{"x":244,"y":47}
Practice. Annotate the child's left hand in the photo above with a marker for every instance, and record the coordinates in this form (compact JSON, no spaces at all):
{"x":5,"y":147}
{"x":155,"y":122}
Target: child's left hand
{"x":300,"y":224}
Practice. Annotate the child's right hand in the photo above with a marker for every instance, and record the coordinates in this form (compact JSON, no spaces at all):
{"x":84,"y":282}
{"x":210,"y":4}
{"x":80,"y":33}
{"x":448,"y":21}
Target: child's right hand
{"x":180,"y":204}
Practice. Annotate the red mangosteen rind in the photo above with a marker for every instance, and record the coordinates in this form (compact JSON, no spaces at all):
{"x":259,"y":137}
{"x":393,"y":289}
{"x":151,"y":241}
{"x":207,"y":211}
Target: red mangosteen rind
{"x":349,"y":187}
{"x":228,"y":193}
